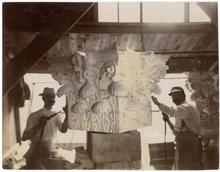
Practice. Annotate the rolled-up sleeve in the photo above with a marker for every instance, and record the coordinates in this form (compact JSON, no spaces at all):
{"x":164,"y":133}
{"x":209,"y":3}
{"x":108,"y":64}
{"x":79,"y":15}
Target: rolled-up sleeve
{"x":178,"y":111}
{"x":166,"y":109}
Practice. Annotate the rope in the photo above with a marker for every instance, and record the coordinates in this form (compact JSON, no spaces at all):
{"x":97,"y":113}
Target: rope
{"x":165,"y":143}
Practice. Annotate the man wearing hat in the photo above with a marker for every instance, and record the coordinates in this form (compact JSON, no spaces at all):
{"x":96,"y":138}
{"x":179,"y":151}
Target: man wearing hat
{"x":41,"y":129}
{"x":186,"y":129}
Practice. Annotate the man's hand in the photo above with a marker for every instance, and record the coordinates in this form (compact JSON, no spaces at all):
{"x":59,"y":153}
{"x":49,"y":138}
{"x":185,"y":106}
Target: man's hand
{"x":165,"y":117}
{"x":154,"y":99}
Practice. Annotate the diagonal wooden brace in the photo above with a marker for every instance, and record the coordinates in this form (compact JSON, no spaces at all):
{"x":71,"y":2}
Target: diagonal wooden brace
{"x":30,"y":55}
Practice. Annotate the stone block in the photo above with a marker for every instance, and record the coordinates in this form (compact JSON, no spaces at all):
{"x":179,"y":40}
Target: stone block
{"x":118,"y":147}
{"x":130,"y":165}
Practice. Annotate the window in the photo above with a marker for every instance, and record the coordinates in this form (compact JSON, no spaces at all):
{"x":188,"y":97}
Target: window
{"x":151,"y":12}
{"x":108,"y":11}
{"x":129,"y":12}
{"x":197,"y":14}
{"x":160,"y":12}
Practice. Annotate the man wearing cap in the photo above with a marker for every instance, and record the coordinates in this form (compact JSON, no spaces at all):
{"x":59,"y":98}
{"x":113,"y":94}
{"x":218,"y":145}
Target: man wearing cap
{"x":186,"y":129}
{"x":41,"y":129}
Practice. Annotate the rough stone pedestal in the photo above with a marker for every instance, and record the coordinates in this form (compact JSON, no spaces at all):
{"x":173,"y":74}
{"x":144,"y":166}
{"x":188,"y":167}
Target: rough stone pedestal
{"x":130,"y":165}
{"x":114,"y":148}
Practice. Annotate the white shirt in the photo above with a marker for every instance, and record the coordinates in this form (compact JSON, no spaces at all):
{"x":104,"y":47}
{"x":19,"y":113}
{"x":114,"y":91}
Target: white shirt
{"x":185,"y":112}
{"x":50,"y":129}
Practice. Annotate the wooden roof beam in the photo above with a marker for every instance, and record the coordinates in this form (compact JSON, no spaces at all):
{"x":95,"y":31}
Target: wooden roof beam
{"x":186,"y":64}
{"x":107,"y":27}
{"x":103,"y":27}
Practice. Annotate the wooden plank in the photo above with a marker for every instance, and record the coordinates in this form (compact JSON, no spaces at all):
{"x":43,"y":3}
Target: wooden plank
{"x":38,"y":47}
{"x":103,"y":27}
{"x":186,"y":64}
{"x":204,"y":41}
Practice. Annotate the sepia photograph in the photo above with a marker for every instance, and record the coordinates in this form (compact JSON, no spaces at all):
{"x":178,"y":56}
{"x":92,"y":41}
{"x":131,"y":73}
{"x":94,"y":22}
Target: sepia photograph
{"x":110,"y":85}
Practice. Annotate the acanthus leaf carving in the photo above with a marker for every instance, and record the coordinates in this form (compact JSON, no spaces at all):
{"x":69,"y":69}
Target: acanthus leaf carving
{"x":109,"y":91}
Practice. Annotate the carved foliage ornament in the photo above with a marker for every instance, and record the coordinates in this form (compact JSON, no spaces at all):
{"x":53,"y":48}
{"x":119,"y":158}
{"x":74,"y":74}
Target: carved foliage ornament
{"x":109,"y":91}
{"x":205,"y":92}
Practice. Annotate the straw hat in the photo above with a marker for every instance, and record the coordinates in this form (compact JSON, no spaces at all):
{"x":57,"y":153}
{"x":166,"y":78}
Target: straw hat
{"x":48,"y":91}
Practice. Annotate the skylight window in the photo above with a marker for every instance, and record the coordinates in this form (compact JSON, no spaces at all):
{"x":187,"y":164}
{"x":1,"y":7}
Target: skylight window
{"x":197,"y":14}
{"x":173,"y":12}
{"x":161,"y":12}
{"x":108,"y":11}
{"x":151,"y":12}
{"x":129,"y":12}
